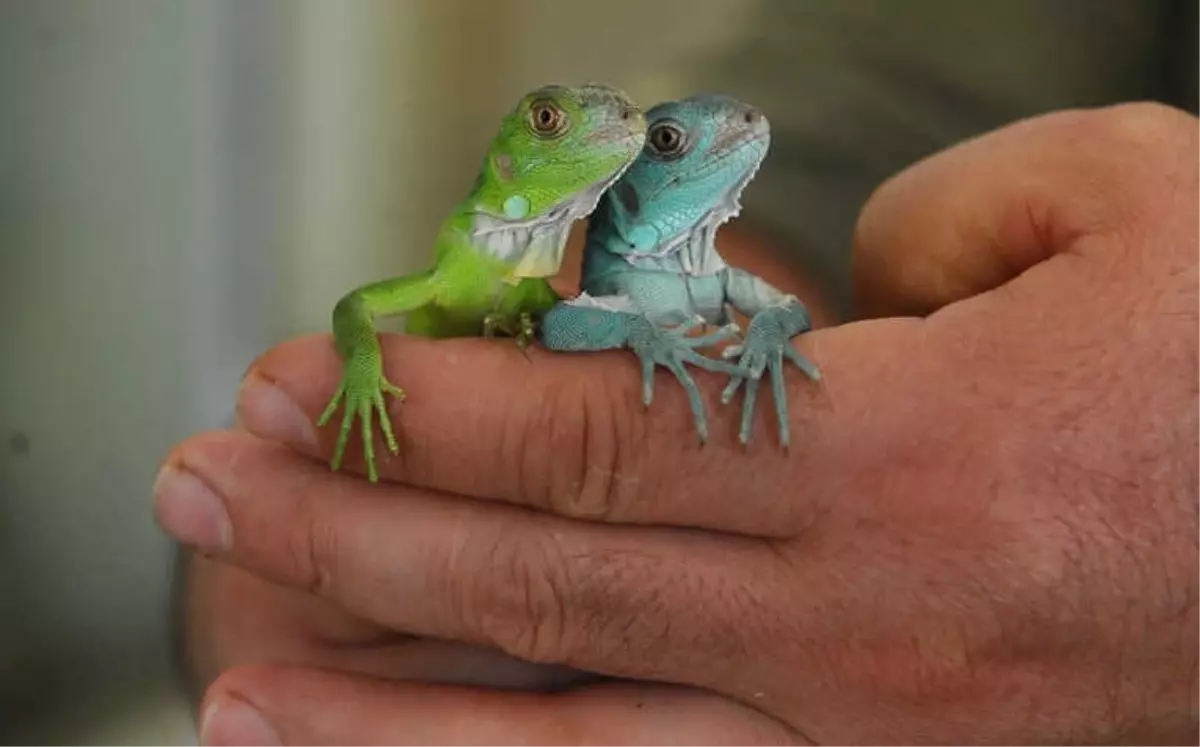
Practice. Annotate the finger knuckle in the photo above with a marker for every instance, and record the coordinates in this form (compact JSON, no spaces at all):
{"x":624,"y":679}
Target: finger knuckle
{"x":313,"y":551}
{"x":1135,"y":162}
{"x":1147,"y":124}
{"x":519,"y":599}
{"x":592,"y":428}
{"x":543,"y":601}
{"x":1144,"y":131}
{"x":547,"y":604}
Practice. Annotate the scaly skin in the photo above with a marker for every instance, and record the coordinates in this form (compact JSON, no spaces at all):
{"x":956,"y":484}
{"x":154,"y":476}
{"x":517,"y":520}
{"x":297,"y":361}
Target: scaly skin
{"x":650,"y":261}
{"x":546,"y":167}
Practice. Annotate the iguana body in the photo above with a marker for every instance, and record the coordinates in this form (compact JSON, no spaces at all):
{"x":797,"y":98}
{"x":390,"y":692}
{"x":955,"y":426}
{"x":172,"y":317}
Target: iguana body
{"x":650,"y":260}
{"x":554,"y":155}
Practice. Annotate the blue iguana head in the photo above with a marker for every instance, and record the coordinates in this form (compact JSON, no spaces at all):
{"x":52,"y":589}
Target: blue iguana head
{"x":700,"y":153}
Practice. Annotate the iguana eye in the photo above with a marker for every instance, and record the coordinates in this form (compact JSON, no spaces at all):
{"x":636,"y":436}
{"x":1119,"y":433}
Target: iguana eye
{"x":546,"y":118}
{"x":666,"y":139}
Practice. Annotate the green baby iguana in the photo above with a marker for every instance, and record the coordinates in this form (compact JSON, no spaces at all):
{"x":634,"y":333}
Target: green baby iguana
{"x":555,"y":153}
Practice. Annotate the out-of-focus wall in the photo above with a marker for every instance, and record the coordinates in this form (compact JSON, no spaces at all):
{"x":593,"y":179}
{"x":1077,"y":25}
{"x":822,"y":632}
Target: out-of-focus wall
{"x":181,"y":185}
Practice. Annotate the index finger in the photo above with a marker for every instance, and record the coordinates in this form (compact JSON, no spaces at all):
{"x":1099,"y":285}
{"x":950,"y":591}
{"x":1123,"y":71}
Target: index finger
{"x":566,"y":433}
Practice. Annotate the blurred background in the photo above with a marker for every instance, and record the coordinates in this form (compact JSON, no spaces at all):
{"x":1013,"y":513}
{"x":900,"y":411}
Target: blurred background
{"x":185,"y":183}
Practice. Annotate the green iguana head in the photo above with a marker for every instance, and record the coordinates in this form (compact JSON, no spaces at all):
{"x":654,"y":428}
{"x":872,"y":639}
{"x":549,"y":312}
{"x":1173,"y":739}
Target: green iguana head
{"x":556,"y":152}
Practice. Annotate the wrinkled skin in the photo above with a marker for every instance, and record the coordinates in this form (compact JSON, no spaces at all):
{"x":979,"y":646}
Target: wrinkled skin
{"x":989,"y":535}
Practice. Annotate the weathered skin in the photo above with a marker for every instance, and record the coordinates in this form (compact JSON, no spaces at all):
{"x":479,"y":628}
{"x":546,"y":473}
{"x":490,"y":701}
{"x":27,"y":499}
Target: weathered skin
{"x":553,"y":156}
{"x":650,"y":261}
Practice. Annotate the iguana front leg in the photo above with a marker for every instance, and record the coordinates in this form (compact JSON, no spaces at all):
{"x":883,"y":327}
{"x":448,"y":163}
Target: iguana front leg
{"x":775,"y":319}
{"x":522,"y":328}
{"x":363,"y":383}
{"x":520,"y":309}
{"x":569,"y":327}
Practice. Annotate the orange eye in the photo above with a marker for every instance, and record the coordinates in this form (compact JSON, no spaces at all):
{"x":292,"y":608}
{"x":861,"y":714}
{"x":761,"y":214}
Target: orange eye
{"x":546,"y":118}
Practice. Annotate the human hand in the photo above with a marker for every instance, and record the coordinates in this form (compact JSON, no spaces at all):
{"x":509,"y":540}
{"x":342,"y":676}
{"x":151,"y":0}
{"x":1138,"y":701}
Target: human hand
{"x":986,"y":530}
{"x":232,"y":618}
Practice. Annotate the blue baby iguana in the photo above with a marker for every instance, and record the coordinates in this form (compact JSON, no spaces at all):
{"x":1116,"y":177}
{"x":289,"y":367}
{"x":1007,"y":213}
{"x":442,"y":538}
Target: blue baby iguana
{"x":650,"y":262}
{"x":554,"y":155}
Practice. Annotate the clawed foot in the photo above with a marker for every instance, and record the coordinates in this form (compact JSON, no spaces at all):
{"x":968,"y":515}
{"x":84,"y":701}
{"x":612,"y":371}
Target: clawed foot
{"x":521,"y":327}
{"x":362,"y":387}
{"x":670,"y":347}
{"x":766,"y":345}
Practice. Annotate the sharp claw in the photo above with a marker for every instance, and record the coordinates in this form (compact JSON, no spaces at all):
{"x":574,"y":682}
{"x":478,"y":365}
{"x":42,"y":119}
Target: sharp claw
{"x":779,"y":395}
{"x":758,"y":366}
{"x":720,"y":335}
{"x":689,"y":325}
{"x":748,"y":403}
{"x":389,"y":439}
{"x":695,"y":403}
{"x":731,"y":388}
{"x":364,"y":416}
{"x":331,"y":408}
{"x":339,"y":450}
{"x":385,"y":424}
{"x":647,"y":382}
{"x":808,"y":367}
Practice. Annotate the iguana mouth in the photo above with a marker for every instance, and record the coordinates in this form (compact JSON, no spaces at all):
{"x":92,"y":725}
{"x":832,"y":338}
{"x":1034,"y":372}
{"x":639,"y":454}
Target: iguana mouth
{"x":585,"y":202}
{"x":735,"y":143}
{"x":572,"y":208}
{"x":535,"y":246}
{"x":732,"y":145}
{"x":696,"y":245}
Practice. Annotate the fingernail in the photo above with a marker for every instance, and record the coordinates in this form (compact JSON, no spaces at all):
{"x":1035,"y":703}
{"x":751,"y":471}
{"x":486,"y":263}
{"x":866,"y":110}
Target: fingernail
{"x":234,"y":721}
{"x":190,"y":512}
{"x":266,"y":411}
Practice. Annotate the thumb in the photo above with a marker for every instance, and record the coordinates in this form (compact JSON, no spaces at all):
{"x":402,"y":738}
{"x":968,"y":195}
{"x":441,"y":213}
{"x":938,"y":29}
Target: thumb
{"x":973,"y":217}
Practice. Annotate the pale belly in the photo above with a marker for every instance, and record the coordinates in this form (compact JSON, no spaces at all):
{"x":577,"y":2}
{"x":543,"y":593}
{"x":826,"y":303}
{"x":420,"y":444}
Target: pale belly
{"x":667,"y":298}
